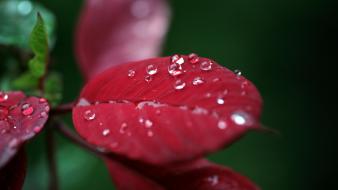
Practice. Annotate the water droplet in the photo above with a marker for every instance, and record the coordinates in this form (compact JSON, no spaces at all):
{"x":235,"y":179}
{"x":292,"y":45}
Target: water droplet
{"x":220,"y":101}
{"x":43,"y":114}
{"x":105,"y":132}
{"x":174,"y":69}
{"x":151,"y":69}
{"x":141,"y":120}
{"x":47,"y":108}
{"x":216,"y":79}
{"x":207,"y":95}
{"x":131,"y":73}
{"x":89,"y":115}
{"x":238,"y":72}
{"x":27,"y":109}
{"x":150,"y":133}
{"x":197,"y":81}
{"x":177,"y":59}
{"x":193,"y":58}
{"x":206,"y":65}
{"x":240,"y":118}
{"x":100,"y":124}
{"x":225,"y":92}
{"x":24,"y":7}
{"x":42,"y":100}
{"x":179,"y":85}
{"x":148,"y":123}
{"x":213,"y":180}
{"x":148,"y":78}
{"x":222,"y":124}
{"x":3,"y":97}
{"x":123,"y":128}
{"x":200,"y":111}
{"x":37,"y":129}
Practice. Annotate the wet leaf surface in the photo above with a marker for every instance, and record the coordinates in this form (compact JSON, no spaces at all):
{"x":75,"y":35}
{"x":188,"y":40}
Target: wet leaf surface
{"x":21,"y":118}
{"x":158,"y":116}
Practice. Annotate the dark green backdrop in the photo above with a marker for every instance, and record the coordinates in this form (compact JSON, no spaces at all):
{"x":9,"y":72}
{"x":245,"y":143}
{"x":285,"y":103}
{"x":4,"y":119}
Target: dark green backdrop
{"x":286,"y":47}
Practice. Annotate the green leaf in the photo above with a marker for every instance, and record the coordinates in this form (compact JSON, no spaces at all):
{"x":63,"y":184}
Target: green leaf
{"x":39,"y":43}
{"x":53,"y":88}
{"x":17,"y":18}
{"x":26,"y":82}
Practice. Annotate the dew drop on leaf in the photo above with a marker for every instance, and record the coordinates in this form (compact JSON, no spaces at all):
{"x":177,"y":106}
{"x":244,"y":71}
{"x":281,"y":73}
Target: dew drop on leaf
{"x":27,"y":109}
{"x":197,"y":81}
{"x":174,"y":69}
{"x":42,"y":100}
{"x":123,"y":128}
{"x":177,"y":59}
{"x":179,"y":84}
{"x":206,"y":65}
{"x":105,"y":132}
{"x":151,"y":69}
{"x":193,"y":58}
{"x":89,"y":115}
{"x":238,"y":72}
{"x":148,"y":78}
{"x":213,"y":180}
{"x":220,"y":101}
{"x":131,"y":73}
{"x":3,"y":97}
{"x":43,"y":114}
{"x":150,"y":133}
{"x":240,"y":118}
{"x":148,"y":123}
{"x":222,"y":124}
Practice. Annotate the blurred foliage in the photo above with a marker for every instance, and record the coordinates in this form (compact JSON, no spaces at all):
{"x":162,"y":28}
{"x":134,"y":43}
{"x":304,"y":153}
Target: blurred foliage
{"x":287,"y":48}
{"x":17,"y":18}
{"x":53,"y":88}
{"x":38,"y":42}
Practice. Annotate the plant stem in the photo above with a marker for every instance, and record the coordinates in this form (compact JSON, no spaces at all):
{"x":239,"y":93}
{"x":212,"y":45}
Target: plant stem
{"x":52,"y":165}
{"x":64,"y":130}
{"x":63,"y":108}
{"x":136,"y":166}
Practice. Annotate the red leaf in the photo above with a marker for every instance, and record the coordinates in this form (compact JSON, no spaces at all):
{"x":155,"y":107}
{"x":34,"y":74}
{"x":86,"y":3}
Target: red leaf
{"x":12,"y":176}
{"x":197,"y":175}
{"x":168,"y":118}
{"x":126,"y":179}
{"x":21,"y":118}
{"x":114,"y":32}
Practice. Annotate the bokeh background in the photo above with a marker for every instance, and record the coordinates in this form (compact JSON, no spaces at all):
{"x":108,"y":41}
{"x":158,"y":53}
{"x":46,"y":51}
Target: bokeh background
{"x":288,"y":48}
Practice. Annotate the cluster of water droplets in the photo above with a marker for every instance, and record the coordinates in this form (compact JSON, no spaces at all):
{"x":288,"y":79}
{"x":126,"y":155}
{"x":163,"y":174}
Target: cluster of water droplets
{"x":27,"y":110}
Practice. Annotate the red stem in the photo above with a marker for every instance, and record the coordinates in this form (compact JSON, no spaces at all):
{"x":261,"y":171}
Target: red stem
{"x":63,"y":108}
{"x":51,"y":159}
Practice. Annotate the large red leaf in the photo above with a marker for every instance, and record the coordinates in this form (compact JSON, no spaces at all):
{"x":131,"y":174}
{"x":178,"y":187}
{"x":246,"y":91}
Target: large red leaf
{"x":113,"y":32}
{"x":12,"y":176}
{"x":21,"y":118}
{"x":141,"y":111}
{"x":197,"y":175}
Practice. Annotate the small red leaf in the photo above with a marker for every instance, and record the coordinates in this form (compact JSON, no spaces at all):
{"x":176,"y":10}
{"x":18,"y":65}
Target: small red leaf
{"x":197,"y":175}
{"x":21,"y":118}
{"x":12,"y":176}
{"x":158,"y":118}
{"x":126,"y":179}
{"x":114,"y":32}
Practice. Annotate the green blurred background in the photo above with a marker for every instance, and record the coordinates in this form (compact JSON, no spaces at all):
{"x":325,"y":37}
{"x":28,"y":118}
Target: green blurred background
{"x":288,"y":48}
